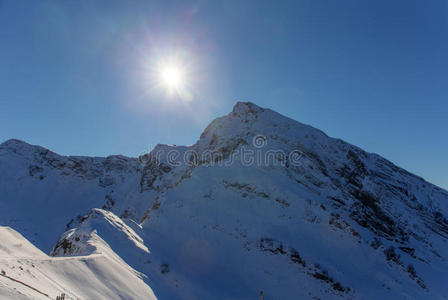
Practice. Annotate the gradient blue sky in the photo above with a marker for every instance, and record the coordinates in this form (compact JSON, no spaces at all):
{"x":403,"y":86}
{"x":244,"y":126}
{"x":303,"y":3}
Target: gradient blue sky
{"x":76,"y":76}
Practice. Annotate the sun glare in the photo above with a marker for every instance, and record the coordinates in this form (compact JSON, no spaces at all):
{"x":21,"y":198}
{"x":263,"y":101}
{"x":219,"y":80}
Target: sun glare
{"x":172,"y":77}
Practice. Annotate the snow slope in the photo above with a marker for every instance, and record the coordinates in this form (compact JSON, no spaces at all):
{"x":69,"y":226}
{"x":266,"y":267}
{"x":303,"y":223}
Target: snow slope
{"x":41,"y":191}
{"x":28,"y":273}
{"x":260,"y":202}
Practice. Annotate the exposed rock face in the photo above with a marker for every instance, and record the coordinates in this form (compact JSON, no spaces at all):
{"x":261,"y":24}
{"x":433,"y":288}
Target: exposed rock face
{"x":259,"y":202}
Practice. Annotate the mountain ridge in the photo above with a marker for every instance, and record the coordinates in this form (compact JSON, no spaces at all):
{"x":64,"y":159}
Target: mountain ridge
{"x":240,"y":108}
{"x":212,"y":219}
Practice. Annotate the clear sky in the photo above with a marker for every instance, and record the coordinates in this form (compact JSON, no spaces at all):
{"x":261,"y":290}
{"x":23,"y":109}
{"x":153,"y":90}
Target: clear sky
{"x":82,"y":77}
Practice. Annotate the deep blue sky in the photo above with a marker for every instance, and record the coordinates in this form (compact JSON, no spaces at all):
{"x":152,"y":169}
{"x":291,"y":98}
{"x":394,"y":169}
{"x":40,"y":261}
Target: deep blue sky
{"x":76,"y":76}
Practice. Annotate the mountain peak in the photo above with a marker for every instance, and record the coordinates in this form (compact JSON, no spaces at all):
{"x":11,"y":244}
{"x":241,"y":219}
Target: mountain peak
{"x":246,"y":107}
{"x":12,"y":143}
{"x":19,"y":146}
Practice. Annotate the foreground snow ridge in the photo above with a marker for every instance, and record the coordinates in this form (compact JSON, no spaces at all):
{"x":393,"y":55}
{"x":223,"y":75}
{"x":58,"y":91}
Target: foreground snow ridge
{"x":314,"y":218}
{"x":28,"y":273}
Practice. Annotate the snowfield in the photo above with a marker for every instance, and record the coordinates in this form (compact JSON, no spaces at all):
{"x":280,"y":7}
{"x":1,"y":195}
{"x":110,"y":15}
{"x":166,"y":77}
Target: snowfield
{"x":28,"y":273}
{"x":309,"y":217}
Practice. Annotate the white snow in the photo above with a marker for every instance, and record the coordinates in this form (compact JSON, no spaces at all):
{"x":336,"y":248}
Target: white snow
{"x":226,"y":229}
{"x":31,"y":274}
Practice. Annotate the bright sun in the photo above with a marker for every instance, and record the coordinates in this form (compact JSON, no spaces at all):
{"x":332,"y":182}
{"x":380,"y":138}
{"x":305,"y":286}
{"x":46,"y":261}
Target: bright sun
{"x":172,"y":77}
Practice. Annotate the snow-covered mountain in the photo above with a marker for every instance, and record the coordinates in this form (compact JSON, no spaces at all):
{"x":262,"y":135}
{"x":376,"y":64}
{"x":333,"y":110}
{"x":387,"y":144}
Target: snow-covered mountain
{"x":259,"y":203}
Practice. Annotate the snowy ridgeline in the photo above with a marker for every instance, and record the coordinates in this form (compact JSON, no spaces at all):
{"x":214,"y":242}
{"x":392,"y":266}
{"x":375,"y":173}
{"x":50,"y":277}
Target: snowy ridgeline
{"x":260,"y":202}
{"x":28,"y":273}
